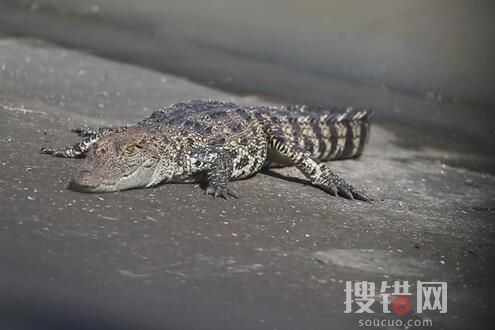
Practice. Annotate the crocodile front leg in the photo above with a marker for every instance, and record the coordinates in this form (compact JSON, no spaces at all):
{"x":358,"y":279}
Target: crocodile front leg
{"x":88,"y":131}
{"x":319,"y":173}
{"x":218,"y":177}
{"x":216,"y":167}
{"x":91,"y":136}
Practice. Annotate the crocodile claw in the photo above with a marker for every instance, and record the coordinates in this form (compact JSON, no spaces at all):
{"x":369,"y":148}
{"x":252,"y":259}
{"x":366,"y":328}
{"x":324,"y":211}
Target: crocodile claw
{"x":345,"y":190}
{"x":219,"y":191}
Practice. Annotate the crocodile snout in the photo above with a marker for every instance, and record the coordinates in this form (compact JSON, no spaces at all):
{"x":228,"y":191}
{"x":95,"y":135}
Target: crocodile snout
{"x":85,"y":181}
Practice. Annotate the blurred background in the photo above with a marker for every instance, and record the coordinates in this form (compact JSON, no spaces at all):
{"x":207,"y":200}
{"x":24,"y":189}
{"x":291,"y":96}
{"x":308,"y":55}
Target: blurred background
{"x":425,"y":66}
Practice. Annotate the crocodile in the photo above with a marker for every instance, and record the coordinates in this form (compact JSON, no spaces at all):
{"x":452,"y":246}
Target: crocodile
{"x":215,"y":142}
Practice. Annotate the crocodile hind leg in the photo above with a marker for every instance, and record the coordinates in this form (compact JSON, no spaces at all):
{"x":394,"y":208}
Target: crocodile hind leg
{"x":91,"y":136}
{"x":319,"y":173}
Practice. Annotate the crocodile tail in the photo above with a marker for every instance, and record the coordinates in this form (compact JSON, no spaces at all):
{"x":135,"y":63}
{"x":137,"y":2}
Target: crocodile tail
{"x":337,"y":133}
{"x":349,"y":132}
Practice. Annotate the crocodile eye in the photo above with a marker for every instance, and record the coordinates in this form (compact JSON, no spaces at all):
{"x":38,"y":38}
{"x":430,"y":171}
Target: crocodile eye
{"x":130,"y":150}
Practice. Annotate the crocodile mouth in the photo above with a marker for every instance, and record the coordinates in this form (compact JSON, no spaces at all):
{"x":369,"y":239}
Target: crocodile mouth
{"x":86,"y":181}
{"x":80,"y":187}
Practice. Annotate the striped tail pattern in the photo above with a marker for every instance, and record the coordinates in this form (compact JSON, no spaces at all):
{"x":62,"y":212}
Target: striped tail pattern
{"x":328,"y":133}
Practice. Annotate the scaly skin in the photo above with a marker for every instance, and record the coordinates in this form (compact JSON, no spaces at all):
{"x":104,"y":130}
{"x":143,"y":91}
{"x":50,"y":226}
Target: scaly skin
{"x":219,"y":142}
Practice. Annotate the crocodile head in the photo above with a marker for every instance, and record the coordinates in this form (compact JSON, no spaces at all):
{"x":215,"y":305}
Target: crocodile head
{"x":125,"y":159}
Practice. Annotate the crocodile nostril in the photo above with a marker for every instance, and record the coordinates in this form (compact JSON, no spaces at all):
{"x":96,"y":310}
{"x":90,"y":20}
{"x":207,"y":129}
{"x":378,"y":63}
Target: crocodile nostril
{"x":84,"y":173}
{"x":84,"y":180}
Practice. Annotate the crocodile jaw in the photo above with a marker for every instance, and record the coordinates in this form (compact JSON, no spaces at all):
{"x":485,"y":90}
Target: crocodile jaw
{"x":91,"y":181}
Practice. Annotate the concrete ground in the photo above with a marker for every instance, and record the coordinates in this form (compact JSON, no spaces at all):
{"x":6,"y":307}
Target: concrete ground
{"x":172,"y":258}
